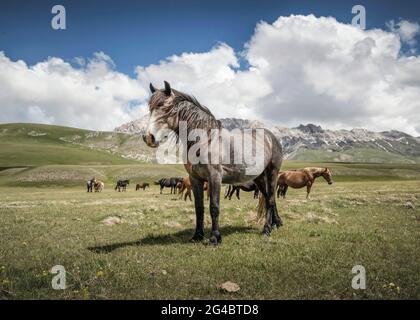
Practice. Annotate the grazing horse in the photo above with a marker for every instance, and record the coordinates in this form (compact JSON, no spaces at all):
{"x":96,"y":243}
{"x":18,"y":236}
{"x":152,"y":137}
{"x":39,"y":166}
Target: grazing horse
{"x":185,"y":185}
{"x":122,"y":184}
{"x":247,"y":187}
{"x":99,"y":186}
{"x":89,"y":184}
{"x":142,"y":185}
{"x":301,"y":178}
{"x":171,"y":110}
{"x":168,"y":183}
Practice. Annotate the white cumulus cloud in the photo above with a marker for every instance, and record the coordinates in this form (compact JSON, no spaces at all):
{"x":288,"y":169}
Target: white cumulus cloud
{"x":295,"y":70}
{"x":54,"y":92}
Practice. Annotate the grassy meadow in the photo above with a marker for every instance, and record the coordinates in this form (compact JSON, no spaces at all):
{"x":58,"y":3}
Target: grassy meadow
{"x":134,"y":245}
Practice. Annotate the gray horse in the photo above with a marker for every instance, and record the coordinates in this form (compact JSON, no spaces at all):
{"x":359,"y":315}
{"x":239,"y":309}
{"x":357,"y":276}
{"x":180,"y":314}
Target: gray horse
{"x":168,"y":108}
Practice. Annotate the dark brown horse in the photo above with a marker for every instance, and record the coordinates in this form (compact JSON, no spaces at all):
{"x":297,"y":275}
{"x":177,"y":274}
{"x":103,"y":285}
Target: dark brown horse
{"x":174,"y":111}
{"x":168,"y":183}
{"x":142,"y":185}
{"x":301,"y":178}
{"x":247,"y":187}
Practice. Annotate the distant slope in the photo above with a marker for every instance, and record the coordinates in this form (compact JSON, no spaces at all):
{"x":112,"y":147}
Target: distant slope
{"x":37,"y":144}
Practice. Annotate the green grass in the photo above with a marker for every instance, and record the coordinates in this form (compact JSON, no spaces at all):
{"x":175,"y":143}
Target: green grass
{"x":147,"y":255}
{"x":47,"y":218}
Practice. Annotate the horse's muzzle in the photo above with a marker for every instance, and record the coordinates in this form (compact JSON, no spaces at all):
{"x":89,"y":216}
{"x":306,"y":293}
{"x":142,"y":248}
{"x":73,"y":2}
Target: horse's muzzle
{"x":149,"y":139}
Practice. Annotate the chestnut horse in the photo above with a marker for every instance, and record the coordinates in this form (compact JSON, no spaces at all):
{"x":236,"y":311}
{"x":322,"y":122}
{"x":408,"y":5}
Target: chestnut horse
{"x":185,"y":185}
{"x":171,"y":111}
{"x":99,"y":186}
{"x":142,"y":185}
{"x":301,"y":178}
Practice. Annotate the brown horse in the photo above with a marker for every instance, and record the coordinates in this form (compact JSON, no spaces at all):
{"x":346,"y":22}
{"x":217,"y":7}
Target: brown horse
{"x":142,"y":185}
{"x":178,"y":113}
{"x":98,"y":186}
{"x":185,"y":185}
{"x":301,"y":178}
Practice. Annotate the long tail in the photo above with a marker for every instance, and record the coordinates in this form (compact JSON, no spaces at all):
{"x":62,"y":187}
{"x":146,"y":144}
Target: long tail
{"x":261,"y":209}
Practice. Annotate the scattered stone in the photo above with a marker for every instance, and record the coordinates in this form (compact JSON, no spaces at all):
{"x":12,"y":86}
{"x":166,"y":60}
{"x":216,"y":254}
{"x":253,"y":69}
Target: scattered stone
{"x":230,"y":287}
{"x":110,"y":221}
{"x":164,"y":272}
{"x":409,"y":205}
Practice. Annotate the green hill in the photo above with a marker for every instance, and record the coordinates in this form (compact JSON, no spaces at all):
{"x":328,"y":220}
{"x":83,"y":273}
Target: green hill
{"x":37,"y":144}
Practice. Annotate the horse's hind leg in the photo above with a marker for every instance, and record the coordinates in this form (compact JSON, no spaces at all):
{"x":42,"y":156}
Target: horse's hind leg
{"x":267,"y":184}
{"x":262,"y":185}
{"x":272,"y":176}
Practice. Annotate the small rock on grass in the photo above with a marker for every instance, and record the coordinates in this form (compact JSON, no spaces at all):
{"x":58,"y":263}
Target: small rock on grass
{"x":230,"y":287}
{"x":110,"y":221}
{"x":409,"y":205}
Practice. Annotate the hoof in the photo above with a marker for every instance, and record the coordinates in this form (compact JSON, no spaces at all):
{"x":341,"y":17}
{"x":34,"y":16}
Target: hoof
{"x":197,"y":238}
{"x":277,"y":224}
{"x":215,"y":240}
{"x":266,"y":232}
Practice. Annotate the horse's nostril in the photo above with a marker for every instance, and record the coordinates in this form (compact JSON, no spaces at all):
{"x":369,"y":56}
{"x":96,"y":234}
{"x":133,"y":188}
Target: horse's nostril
{"x":149,"y":139}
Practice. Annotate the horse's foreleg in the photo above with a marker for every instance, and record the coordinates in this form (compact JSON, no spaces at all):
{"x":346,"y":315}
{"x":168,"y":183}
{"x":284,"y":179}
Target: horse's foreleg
{"x":308,"y":190}
{"x":238,"y":190}
{"x":214,"y":186}
{"x":227,"y":192}
{"x":197,"y":187}
{"x":231,"y":191}
{"x":283,"y":193}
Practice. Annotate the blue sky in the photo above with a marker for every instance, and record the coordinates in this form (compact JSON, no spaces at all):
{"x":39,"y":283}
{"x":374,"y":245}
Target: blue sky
{"x":280,"y":62}
{"x":145,"y":32}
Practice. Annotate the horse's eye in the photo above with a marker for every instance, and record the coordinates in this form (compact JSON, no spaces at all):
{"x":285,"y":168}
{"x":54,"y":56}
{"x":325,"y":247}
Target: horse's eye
{"x":160,"y":104}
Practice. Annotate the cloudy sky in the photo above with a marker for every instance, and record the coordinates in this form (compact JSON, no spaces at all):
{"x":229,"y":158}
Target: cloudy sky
{"x":283,"y":62}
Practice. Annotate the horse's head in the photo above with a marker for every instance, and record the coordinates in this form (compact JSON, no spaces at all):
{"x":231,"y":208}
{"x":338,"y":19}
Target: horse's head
{"x":163,"y":119}
{"x":327,"y":175}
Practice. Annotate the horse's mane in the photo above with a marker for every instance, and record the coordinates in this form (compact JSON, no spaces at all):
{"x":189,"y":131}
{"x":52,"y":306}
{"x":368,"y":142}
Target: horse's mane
{"x":189,"y":109}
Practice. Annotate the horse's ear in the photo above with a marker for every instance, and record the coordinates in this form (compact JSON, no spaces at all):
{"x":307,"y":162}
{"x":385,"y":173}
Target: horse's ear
{"x":152,"y":88}
{"x":168,"y":89}
{"x":326,"y":169}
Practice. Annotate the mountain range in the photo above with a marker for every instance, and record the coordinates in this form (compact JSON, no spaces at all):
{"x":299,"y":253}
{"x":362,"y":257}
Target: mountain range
{"x":313,"y":143}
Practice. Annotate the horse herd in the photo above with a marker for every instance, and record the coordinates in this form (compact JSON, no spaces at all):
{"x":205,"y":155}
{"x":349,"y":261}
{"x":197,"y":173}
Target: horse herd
{"x":296,"y":179}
